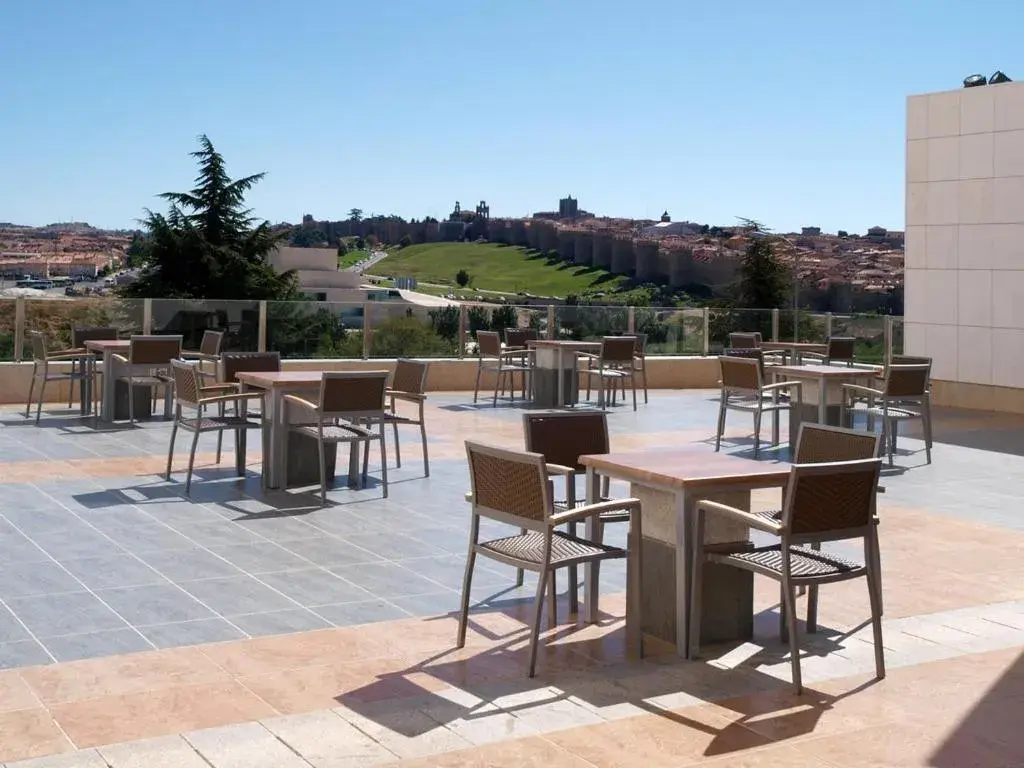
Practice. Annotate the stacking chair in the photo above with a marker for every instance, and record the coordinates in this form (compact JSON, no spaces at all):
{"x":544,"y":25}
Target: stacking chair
{"x":349,"y":400}
{"x":640,"y":362}
{"x":616,"y":364}
{"x":79,"y":336}
{"x":904,"y":394}
{"x":744,"y":340}
{"x":226,"y":379}
{"x":42,"y":372}
{"x":518,"y":338}
{"x":505,"y":364}
{"x":561,"y":438}
{"x":823,"y":502}
{"x":513,"y":487}
{"x":840,"y":349}
{"x":191,"y":394}
{"x":409,"y":384}
{"x":743,"y":389}
{"x":147,"y":364}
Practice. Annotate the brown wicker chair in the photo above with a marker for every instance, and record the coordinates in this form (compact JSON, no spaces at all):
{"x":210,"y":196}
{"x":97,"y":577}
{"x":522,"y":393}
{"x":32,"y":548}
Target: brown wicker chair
{"x":823,"y":502}
{"x":513,"y":487}
{"x":41,"y":371}
{"x":409,"y":384}
{"x":839,"y":349}
{"x":640,"y":362}
{"x":79,"y":336}
{"x":615,"y":364}
{"x":505,"y":364}
{"x":225,"y":378}
{"x":745,"y":340}
{"x":743,"y":389}
{"x":904,"y":394}
{"x":148,"y":362}
{"x":191,"y":394}
{"x":561,"y":438}
{"x":348,"y":401}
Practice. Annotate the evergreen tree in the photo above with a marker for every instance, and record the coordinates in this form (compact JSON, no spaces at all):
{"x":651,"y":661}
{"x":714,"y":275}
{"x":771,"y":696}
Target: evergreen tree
{"x":763,"y":281}
{"x":208,"y":245}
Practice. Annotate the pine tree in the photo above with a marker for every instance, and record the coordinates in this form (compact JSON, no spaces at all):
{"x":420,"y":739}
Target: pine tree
{"x":763,"y":281}
{"x":208,"y":245}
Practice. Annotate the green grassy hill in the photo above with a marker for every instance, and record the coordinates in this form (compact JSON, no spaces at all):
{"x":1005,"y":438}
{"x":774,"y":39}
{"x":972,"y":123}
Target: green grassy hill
{"x":493,"y":267}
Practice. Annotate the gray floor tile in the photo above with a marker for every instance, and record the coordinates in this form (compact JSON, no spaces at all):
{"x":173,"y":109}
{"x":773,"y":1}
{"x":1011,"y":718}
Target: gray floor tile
{"x":191,"y":633}
{"x":31,"y":520}
{"x":113,"y":569}
{"x":434,"y":604}
{"x":449,"y":571}
{"x":26,"y":497}
{"x":261,"y":557}
{"x":326,"y":550}
{"x":10,"y":628}
{"x":279,"y":622}
{"x":73,"y":542}
{"x":92,"y":645}
{"x":315,"y":587}
{"x":86,"y":758}
{"x":23,"y":653}
{"x":236,"y":595}
{"x":146,"y":536}
{"x":15,"y":547}
{"x":28,"y":579}
{"x":363,"y":612}
{"x":391,"y":546}
{"x":217,"y":533}
{"x":65,"y":614}
{"x":154,"y":604}
{"x":188,"y":564}
{"x":388,"y":580}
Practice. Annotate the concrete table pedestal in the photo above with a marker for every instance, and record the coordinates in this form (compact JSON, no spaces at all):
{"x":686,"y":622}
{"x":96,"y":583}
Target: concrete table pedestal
{"x":552,"y":369}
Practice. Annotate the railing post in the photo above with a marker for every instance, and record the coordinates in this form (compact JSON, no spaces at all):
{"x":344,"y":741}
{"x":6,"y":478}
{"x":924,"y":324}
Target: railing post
{"x":19,"y":328}
{"x":631,"y":320}
{"x":775,"y":324}
{"x":828,"y":325}
{"x":887,"y":339}
{"x":463,"y":329}
{"x":707,"y":331}
{"x":147,"y":317}
{"x":261,"y":328}
{"x":551,"y":322}
{"x":367,"y":331}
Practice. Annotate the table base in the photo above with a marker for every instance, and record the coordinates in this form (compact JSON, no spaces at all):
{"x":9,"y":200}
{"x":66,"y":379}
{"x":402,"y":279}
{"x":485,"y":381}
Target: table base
{"x":545,"y":388}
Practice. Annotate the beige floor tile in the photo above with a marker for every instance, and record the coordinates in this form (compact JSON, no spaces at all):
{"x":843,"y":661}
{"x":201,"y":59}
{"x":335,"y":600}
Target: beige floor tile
{"x":245,"y":745}
{"x":326,"y":740}
{"x":27,"y":733}
{"x":165,"y":752}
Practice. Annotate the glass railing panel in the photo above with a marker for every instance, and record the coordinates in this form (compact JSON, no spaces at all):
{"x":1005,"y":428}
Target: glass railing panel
{"x":238,"y":320}
{"x":671,"y":330}
{"x":56,"y":318}
{"x":7,"y":328}
{"x":398,"y":329}
{"x":315,"y":329}
{"x":868,"y":330}
{"x":723,"y":321}
{"x":898,"y":336}
{"x":585,"y":323}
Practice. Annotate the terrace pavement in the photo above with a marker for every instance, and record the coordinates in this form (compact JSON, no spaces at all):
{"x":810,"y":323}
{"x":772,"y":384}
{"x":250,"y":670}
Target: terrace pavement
{"x":253,"y":628}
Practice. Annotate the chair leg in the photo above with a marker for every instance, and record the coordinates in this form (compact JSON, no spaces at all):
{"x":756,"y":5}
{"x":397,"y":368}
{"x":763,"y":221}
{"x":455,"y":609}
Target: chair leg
{"x":383,"y":461}
{"x":39,"y":403}
{"x":876,"y":555}
{"x":498,"y":383}
{"x":131,"y":402}
{"x":812,"y":600}
{"x":520,"y":573}
{"x":757,"y":433}
{"x":553,"y":599}
{"x":696,"y":589}
{"x":220,"y":432}
{"x":926,"y":423}
{"x":789,"y":605}
{"x":643,"y":376}
{"x":71,"y":383}
{"x":322,"y":451}
{"x":476,"y":387}
{"x":721,"y":424}
{"x":398,"y":449}
{"x":632,"y":386}
{"x":191,"y":463}
{"x":426,"y":454}
{"x":538,"y":607}
{"x":170,"y":448}
{"x":606,"y":484}
{"x":875,"y":596}
{"x":467,"y":583}
{"x":574,"y":580}
{"x":28,"y":403}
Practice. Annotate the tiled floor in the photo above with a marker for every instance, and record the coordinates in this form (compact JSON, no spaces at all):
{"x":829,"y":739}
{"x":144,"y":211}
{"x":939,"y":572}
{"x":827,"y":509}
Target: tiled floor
{"x":100,"y":557}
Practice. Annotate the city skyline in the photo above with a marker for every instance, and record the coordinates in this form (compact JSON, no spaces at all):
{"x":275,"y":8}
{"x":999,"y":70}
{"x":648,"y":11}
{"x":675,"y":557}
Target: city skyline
{"x":792,"y":115}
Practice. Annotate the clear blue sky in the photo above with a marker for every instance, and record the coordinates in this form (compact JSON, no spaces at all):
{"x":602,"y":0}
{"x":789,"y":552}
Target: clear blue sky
{"x":791,"y":112}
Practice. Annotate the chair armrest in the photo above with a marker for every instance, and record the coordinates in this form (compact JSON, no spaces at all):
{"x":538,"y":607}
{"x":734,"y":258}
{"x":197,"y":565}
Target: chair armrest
{"x":227,"y":387}
{"x":119,"y":358}
{"x":68,"y":354}
{"x":512,"y":353}
{"x":589,"y":510}
{"x":199,"y":356}
{"x":412,"y":397}
{"x":862,"y":390}
{"x":588,"y":355}
{"x":301,"y":401}
{"x":560,"y":469}
{"x":782,"y":385}
{"x":739,"y":516}
{"x":232,"y":398}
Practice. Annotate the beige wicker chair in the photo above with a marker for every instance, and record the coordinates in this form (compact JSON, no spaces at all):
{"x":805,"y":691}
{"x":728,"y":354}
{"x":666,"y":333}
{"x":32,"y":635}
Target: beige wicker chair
{"x":81,"y":335}
{"x":744,"y":340}
{"x":409,"y":384}
{"x":561,"y":438}
{"x":42,"y":372}
{"x":904,"y":394}
{"x":615,"y":364}
{"x":210,"y":349}
{"x":823,"y":502}
{"x":225,"y":378}
{"x":191,"y":394}
{"x":348,"y":401}
{"x":147,"y":364}
{"x":513,"y":487}
{"x":839,"y":349}
{"x":505,"y":364}
{"x":743,"y":389}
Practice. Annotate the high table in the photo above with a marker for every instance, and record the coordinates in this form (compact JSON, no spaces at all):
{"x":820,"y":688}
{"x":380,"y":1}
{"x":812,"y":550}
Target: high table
{"x":669,"y":484}
{"x":555,"y":377}
{"x":825,"y":384}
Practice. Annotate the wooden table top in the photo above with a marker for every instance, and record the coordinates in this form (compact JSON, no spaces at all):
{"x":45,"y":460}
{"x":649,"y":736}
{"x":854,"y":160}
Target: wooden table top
{"x":556,"y":343}
{"x":99,"y":345}
{"x":688,"y":468}
{"x":795,"y":346}
{"x":822,"y":372}
{"x":281,"y":379}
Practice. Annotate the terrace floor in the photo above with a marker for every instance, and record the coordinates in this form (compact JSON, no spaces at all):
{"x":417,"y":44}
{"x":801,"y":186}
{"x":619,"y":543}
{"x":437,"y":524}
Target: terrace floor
{"x":255,"y":628}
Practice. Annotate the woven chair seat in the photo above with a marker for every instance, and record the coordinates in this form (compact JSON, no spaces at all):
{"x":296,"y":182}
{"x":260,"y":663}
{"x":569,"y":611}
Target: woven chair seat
{"x":606,"y":517}
{"x":766,"y":403}
{"x":209,"y":423}
{"x":148,"y":381}
{"x":803,"y":563}
{"x":893,"y":413}
{"x":336,"y":433}
{"x":529,"y":547}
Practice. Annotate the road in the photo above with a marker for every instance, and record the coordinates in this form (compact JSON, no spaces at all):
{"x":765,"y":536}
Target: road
{"x":366,"y":263}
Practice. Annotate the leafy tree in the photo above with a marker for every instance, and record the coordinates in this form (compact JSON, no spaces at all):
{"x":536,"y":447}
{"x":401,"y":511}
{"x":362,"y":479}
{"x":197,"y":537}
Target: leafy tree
{"x":462,"y":278}
{"x":406,"y":241}
{"x":360,"y":244}
{"x":208,"y":245}
{"x":342,"y":248}
{"x":504,"y":316}
{"x":372,"y":241}
{"x":307,"y":238}
{"x":355,"y":214}
{"x":763,"y":282}
{"x":842,"y":233}
{"x":445,"y":322}
{"x":136,"y":253}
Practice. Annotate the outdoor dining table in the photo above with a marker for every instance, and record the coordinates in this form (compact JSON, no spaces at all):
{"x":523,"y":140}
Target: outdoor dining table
{"x":794,"y":349}
{"x":555,"y":377}
{"x":107,"y":348}
{"x":822,"y":391}
{"x":669,"y":484}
